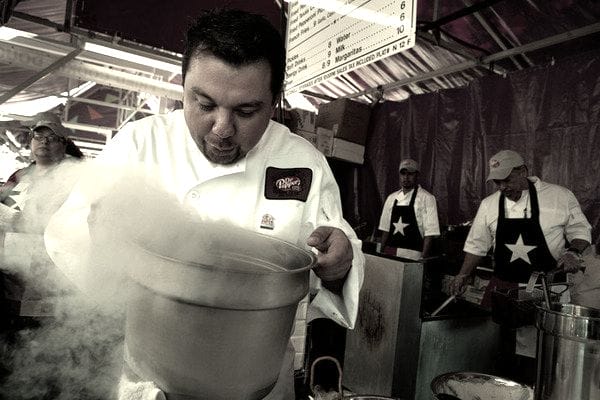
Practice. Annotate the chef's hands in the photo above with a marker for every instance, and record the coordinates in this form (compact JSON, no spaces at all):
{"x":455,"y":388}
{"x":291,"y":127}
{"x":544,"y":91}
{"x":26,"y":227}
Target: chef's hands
{"x":334,"y":258}
{"x":458,"y":285}
{"x":570,"y":262}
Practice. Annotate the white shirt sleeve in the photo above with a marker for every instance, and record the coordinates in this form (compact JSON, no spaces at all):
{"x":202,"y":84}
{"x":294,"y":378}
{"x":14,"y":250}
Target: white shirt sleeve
{"x":577,"y":226}
{"x":67,"y":237}
{"x":386,"y":213}
{"x":431,"y":225}
{"x":326,"y":304}
{"x":480,"y":238}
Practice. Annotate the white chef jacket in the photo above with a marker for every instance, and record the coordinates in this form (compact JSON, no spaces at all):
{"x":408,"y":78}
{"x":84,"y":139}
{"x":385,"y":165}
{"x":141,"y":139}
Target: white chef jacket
{"x":39,"y":193}
{"x":586,"y":285}
{"x":560,"y":217}
{"x":425,"y":208}
{"x":162,"y":146}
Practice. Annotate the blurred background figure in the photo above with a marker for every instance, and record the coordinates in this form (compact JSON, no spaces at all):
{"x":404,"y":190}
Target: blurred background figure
{"x":586,"y":283}
{"x":32,"y":194}
{"x":29,"y":281}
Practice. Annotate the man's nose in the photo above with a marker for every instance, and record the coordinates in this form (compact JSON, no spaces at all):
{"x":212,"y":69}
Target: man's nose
{"x":224,"y":125}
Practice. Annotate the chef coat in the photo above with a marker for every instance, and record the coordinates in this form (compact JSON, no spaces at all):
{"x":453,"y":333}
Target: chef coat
{"x":283,"y":187}
{"x":560,"y":216}
{"x":33,"y":194}
{"x":37,"y":193}
{"x":425,"y":211}
{"x":586,"y":284}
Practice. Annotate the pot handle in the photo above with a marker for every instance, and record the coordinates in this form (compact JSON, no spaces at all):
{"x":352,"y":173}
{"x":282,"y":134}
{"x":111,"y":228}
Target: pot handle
{"x":312,"y":372}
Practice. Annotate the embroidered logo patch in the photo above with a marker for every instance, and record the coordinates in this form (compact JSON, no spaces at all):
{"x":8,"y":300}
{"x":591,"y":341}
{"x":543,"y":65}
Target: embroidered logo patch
{"x":287,"y":183}
{"x":494,"y":163}
{"x":267,"y":222}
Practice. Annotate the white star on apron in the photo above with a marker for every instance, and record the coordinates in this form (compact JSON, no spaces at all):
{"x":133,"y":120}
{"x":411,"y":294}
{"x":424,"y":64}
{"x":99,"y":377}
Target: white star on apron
{"x":520,"y":250}
{"x":399,"y":226}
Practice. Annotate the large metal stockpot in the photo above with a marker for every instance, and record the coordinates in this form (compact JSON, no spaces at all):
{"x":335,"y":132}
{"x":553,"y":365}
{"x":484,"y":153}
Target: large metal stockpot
{"x":211,"y":311}
{"x":568,"y":353}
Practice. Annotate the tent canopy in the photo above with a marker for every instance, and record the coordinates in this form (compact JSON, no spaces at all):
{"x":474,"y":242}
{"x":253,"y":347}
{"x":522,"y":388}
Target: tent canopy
{"x":59,"y":68}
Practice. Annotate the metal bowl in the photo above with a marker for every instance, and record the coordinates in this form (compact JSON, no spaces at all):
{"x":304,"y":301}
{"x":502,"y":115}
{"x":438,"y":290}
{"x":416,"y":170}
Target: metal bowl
{"x":367,"y":397}
{"x":476,"y":386}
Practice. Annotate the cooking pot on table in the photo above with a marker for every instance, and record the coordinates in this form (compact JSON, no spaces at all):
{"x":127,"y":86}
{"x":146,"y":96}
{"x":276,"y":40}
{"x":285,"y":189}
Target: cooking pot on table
{"x":318,"y":394}
{"x":568,"y":352}
{"x":212,"y":310}
{"x":477,"y":386}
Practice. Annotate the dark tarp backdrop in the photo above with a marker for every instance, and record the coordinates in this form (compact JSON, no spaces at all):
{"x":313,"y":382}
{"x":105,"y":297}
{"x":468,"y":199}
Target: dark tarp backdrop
{"x":549,"y":114}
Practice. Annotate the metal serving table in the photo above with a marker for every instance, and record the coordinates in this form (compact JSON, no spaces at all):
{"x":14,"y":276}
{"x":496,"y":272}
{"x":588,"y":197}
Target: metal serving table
{"x":396,"y":350}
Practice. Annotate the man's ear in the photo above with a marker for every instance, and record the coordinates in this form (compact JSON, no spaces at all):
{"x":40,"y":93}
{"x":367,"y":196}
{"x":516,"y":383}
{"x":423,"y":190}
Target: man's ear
{"x":523,"y":171}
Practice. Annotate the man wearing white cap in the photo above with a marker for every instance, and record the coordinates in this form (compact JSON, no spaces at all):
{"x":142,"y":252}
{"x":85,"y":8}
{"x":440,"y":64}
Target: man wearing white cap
{"x":526,"y":221}
{"x":409,"y":219}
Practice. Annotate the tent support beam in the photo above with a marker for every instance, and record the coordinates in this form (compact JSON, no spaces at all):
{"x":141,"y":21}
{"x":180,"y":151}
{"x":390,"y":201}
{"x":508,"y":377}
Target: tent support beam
{"x":39,"y":75}
{"x":494,"y":35}
{"x":486,"y":61}
{"x":19,"y":55}
{"x":458,"y":14}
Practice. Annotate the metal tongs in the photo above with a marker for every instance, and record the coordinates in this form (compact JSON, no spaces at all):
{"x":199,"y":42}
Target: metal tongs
{"x":545,"y":277}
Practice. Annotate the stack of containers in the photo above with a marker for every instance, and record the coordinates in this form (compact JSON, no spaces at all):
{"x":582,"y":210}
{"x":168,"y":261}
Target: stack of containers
{"x":342,"y":127}
{"x":303,"y":123}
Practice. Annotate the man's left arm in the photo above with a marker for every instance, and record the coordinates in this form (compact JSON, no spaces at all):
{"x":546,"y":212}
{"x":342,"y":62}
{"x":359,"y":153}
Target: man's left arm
{"x":431,"y":225}
{"x":340,"y":269}
{"x":334,"y":258}
{"x":340,"y":260}
{"x":578,"y":233}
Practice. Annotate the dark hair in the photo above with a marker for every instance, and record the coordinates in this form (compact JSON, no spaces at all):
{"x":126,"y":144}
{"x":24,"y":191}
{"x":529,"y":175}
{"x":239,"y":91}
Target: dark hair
{"x":72,"y":149}
{"x":238,"y":38}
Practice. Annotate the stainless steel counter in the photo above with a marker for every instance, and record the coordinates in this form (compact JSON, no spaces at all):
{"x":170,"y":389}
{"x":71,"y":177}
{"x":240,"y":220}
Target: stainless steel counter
{"x":394,"y":351}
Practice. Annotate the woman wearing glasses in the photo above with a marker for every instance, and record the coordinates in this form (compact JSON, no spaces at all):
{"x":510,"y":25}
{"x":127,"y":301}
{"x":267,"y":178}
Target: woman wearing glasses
{"x":32,"y":194}
{"x":29,"y":281}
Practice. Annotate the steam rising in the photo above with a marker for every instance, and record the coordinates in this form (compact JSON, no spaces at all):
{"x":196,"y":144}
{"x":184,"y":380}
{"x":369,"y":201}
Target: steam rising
{"x":78,"y":353}
{"x":69,"y":348}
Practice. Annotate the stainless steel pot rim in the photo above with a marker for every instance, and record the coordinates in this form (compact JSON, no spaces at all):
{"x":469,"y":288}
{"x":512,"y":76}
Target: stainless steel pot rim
{"x":542,"y":309}
{"x":311,"y":260}
{"x":441,"y":379}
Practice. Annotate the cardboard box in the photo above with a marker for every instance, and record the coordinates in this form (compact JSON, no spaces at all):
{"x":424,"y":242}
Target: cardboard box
{"x":325,"y":141}
{"x":301,"y":120}
{"x":351,"y":117}
{"x":348,"y":151}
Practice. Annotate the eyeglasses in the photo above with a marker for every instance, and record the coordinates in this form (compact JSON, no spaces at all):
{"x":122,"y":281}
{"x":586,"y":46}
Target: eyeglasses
{"x":38,"y":137}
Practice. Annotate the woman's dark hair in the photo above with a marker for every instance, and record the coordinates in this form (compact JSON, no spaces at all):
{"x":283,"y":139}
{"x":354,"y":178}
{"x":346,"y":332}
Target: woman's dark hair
{"x":72,"y":149}
{"x":238,"y":38}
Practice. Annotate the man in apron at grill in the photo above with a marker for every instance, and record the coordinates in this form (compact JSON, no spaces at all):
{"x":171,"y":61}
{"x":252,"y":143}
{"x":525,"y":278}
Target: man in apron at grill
{"x":528,"y":222}
{"x":409,"y":218}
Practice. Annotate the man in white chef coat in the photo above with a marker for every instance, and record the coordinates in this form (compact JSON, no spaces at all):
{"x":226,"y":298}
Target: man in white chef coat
{"x":527,"y":222}
{"x":409,"y":219}
{"x":233,"y":69}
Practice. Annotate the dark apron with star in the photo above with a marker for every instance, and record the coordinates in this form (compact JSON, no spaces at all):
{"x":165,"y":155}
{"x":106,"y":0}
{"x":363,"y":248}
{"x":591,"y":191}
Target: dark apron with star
{"x":517,"y":262}
{"x":511,"y":265}
{"x":411,"y":239}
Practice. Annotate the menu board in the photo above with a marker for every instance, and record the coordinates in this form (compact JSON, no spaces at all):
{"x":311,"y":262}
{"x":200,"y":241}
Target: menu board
{"x":327,"y":38}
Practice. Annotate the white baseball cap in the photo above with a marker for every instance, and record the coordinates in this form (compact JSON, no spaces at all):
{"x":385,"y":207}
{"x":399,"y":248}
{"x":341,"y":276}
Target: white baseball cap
{"x":409,"y":165}
{"x":502,"y":164}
